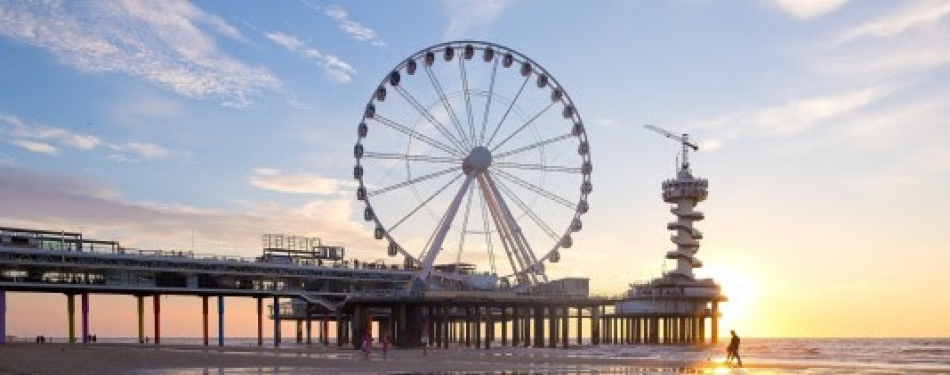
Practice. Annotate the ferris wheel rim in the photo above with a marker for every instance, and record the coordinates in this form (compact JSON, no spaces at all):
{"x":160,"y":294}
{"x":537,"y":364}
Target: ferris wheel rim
{"x":581,"y":134}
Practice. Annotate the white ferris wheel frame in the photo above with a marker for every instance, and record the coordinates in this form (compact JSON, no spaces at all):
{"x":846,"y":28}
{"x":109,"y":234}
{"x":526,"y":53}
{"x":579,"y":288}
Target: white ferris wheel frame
{"x":476,"y":165}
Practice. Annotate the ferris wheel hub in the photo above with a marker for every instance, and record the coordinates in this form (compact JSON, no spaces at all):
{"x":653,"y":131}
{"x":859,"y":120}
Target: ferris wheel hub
{"x":478,"y":160}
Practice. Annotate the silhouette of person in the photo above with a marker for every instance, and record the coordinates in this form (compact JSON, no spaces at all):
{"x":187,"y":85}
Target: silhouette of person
{"x":425,"y":339}
{"x":366,"y":345}
{"x":732,"y":351}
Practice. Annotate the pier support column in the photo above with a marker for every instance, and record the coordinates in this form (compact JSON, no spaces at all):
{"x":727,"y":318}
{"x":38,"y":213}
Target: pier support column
{"x":157,"y":315}
{"x":468,"y":326}
{"x":260,"y":321}
{"x":539,"y":327}
{"x":478,"y":327}
{"x":595,"y":325}
{"x":504,"y":326}
{"x":565,"y":326}
{"x":489,"y":327}
{"x":339,"y":328}
{"x":631,"y":330}
{"x":325,"y":331}
{"x":552,"y":326}
{"x":276,"y":315}
{"x":309,"y":327}
{"x":515,"y":326}
{"x":526,"y":326}
{"x":714,"y":337}
{"x":438,"y":320}
{"x":3,"y":316}
{"x":299,"y":331}
{"x":140,"y":307}
{"x":204,"y":320}
{"x":580,"y":326}
{"x":84,"y":299}
{"x":84,"y":316}
{"x":446,"y":326}
{"x":220,"y":320}
{"x":71,"y":315}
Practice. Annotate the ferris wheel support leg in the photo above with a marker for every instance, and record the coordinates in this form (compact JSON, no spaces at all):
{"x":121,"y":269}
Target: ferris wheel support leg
{"x":436,"y":245}
{"x":523,"y":247}
{"x":503,"y":230}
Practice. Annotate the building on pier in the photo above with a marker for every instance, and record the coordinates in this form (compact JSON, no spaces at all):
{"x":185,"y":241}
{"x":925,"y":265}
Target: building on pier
{"x":674,"y":308}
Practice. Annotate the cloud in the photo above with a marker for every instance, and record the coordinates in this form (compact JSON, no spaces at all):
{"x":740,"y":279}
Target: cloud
{"x":145,"y":105}
{"x":605,"y":121}
{"x":792,"y":117}
{"x":902,"y":45}
{"x":919,"y":14}
{"x":335,"y":68}
{"x":147,"y":151}
{"x":298,"y":183}
{"x":352,"y":28}
{"x":57,"y":201}
{"x":43,"y":148}
{"x":163,"y":43}
{"x":25,"y":134}
{"x":469,"y":19}
{"x":804,"y":9}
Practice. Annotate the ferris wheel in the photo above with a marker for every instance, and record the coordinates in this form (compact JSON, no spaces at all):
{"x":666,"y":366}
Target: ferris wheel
{"x":470,"y":154}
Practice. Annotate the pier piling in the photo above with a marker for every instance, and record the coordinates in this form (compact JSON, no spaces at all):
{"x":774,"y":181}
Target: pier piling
{"x":204,"y":320}
{"x":220,"y":320}
{"x":157,"y":307}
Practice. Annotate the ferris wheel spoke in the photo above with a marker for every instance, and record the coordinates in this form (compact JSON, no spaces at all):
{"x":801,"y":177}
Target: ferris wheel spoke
{"x":435,"y":245}
{"x":491,"y":90}
{"x":468,"y":100}
{"x":521,"y":245}
{"x":510,"y":106}
{"x":465,"y":216}
{"x":533,"y":146}
{"x":407,"y":157}
{"x":414,"y":134}
{"x":537,"y":167}
{"x":429,"y":117}
{"x":537,"y":189}
{"x":527,"y":210}
{"x":505,"y":234}
{"x":488,"y":241}
{"x":523,"y":126}
{"x":448,"y":106}
{"x":413,"y":181}
{"x":425,"y":202}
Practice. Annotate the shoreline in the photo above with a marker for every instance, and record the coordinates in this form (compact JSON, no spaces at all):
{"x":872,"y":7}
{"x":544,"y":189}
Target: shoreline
{"x":110,"y":358}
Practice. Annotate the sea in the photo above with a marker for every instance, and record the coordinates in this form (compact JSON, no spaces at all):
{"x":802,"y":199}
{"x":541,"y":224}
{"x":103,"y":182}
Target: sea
{"x":760,"y":355}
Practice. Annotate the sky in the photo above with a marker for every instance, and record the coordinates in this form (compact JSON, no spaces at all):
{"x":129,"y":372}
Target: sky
{"x":822,"y":128}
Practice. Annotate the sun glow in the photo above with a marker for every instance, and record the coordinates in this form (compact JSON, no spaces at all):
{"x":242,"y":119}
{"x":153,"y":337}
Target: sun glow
{"x":742,"y":288}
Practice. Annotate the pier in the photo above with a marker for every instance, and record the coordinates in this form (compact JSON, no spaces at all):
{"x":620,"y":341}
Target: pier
{"x":332,"y":298}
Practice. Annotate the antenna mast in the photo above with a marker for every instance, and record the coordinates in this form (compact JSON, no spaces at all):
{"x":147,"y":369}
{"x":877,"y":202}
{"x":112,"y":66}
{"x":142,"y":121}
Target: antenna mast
{"x":683,"y":139}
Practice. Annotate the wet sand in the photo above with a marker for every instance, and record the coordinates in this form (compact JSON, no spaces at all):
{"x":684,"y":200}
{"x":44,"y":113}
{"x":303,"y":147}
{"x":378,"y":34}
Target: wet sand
{"x":102,"y":359}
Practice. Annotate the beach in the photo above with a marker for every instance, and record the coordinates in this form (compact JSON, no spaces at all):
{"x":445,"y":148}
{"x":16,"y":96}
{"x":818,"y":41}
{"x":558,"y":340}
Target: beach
{"x":83,"y":359}
{"x":94,"y":359}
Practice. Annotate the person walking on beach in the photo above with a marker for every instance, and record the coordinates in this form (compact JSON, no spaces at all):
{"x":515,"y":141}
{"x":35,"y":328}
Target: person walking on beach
{"x":385,"y":341}
{"x":366,"y":345}
{"x":732,"y":351}
{"x":425,"y":340}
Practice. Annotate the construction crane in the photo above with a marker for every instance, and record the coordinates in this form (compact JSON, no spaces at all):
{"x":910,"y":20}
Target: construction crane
{"x":684,"y":139}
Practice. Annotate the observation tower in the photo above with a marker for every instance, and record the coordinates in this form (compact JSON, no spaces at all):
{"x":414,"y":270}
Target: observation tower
{"x":675,"y":307}
{"x":685,"y":192}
